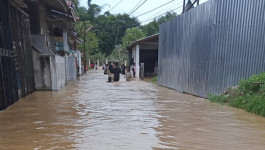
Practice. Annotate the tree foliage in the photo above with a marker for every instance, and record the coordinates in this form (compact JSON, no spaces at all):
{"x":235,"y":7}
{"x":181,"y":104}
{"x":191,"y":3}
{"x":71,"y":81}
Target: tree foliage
{"x":76,"y":3}
{"x":119,"y":54}
{"x":93,"y":11}
{"x":89,"y":38}
{"x":111,"y":29}
{"x":112,"y":33}
{"x":132,"y":34}
{"x":153,"y":27}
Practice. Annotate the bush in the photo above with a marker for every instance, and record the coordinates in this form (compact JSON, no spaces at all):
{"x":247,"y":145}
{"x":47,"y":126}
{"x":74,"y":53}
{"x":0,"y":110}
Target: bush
{"x":218,"y":98}
{"x":249,"y":95}
{"x":256,"y":105}
{"x":154,"y":80}
{"x":253,"y":84}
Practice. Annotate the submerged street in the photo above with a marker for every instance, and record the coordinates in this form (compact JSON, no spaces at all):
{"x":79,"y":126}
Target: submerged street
{"x":93,"y":114}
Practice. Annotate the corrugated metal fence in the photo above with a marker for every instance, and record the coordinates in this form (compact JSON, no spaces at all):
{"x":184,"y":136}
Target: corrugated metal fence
{"x":212,"y":46}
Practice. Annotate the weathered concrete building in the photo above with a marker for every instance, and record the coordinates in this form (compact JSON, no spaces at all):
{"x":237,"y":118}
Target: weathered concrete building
{"x":145,"y":51}
{"x":53,"y":39}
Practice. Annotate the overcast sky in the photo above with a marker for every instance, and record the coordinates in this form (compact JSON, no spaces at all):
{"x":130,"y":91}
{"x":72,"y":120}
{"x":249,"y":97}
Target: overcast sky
{"x":125,"y":6}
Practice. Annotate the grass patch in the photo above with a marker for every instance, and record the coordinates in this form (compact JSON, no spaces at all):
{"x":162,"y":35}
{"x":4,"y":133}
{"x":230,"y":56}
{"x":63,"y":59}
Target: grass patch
{"x":248,"y":95}
{"x":154,"y":80}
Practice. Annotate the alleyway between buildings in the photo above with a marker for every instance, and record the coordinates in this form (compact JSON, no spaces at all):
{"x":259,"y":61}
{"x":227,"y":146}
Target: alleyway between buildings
{"x":93,"y":114}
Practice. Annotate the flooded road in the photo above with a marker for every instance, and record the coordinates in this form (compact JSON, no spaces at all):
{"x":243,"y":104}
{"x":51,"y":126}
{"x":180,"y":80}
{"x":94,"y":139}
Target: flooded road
{"x":96,"y":115}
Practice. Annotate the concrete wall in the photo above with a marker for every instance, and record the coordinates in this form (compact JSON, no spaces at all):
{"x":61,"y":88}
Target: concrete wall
{"x":72,"y":70}
{"x":58,"y":72}
{"x":41,"y":66}
{"x":79,"y":63}
{"x":136,"y":57}
{"x":53,"y":72}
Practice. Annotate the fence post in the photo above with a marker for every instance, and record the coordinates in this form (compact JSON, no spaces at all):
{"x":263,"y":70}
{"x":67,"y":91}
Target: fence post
{"x":142,"y":71}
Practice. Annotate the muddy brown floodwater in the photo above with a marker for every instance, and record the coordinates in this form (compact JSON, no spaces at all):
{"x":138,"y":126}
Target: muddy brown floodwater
{"x":96,"y":115}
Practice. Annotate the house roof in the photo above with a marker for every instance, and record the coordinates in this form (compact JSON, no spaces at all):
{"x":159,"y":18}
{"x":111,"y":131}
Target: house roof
{"x":20,"y":3}
{"x":153,"y":38}
{"x":73,"y":11}
{"x":62,"y":7}
{"x":59,"y":5}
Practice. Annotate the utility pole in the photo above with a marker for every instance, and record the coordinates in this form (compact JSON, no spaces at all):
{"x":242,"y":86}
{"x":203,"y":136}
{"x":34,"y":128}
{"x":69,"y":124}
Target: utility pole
{"x":198,"y":2}
{"x":84,"y":51}
{"x":184,"y":3}
{"x":192,"y":5}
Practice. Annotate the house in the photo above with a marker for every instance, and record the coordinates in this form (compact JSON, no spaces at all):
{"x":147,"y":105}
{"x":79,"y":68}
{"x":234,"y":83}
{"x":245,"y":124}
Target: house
{"x":16,"y":66}
{"x":145,"y":51}
{"x":53,"y":41}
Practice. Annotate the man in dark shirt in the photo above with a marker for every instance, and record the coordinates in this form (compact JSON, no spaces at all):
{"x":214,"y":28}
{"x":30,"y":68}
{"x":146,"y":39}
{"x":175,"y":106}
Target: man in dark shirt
{"x":116,"y":71}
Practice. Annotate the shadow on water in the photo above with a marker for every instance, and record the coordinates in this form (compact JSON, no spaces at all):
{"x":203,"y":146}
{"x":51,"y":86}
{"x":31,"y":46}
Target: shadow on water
{"x":93,"y":114}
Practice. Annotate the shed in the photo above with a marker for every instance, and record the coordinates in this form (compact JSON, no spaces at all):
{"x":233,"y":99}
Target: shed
{"x":145,"y":51}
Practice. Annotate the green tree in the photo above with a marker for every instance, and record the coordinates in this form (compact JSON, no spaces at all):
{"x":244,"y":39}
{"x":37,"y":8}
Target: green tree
{"x":91,"y":40}
{"x":120,"y":53}
{"x":153,"y":26}
{"x":93,"y":11}
{"x":111,"y":29}
{"x":83,"y":13}
{"x":76,"y":3}
{"x":132,"y":34}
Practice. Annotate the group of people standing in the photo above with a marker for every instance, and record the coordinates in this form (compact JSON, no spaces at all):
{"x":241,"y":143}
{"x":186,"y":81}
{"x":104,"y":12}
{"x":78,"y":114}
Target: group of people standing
{"x":114,"y":71}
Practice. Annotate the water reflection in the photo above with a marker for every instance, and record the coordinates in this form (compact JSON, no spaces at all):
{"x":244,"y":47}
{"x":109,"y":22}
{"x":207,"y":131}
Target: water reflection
{"x":93,"y":114}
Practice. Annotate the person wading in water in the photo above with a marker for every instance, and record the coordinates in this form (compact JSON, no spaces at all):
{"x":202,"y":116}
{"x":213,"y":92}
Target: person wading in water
{"x":110,"y":72}
{"x":116,"y":71}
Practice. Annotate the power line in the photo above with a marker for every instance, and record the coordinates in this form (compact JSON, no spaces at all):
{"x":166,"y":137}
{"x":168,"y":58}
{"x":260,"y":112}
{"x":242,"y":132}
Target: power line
{"x":160,"y":15}
{"x":133,"y":25}
{"x":135,"y":6}
{"x":156,"y":8}
{"x":116,"y":5}
{"x":138,"y":7}
{"x":164,"y":10}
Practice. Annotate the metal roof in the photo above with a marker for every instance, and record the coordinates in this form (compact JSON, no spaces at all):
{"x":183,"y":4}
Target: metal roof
{"x":152,"y":38}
